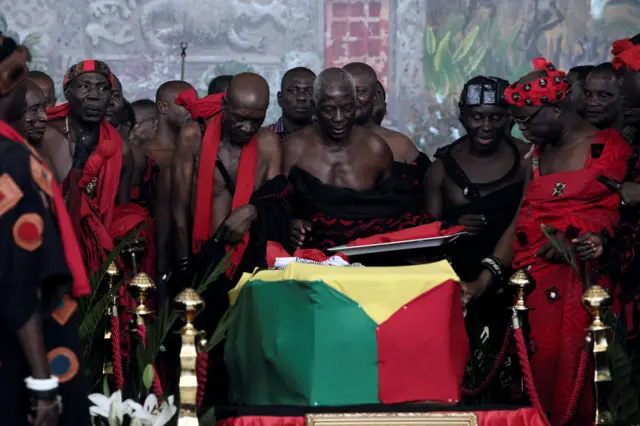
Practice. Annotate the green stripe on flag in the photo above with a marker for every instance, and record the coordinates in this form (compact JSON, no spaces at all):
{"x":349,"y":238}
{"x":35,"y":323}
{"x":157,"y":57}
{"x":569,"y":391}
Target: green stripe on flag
{"x":301,"y":343}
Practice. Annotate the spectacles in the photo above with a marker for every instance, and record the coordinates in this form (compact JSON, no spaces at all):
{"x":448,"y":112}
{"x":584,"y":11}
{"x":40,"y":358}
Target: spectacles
{"x":524,"y":121}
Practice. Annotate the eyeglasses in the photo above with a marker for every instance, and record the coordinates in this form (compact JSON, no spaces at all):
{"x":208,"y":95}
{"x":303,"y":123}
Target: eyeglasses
{"x":524,"y":121}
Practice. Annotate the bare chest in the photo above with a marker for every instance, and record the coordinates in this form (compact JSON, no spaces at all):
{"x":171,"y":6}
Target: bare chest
{"x":346,"y":168}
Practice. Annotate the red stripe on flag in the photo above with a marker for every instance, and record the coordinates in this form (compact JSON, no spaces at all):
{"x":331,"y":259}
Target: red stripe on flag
{"x":423,"y":349}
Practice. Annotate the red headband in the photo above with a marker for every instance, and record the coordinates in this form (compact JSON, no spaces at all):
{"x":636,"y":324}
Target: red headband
{"x":204,"y":107}
{"x":84,"y":67}
{"x":620,"y":46}
{"x":629,"y":58}
{"x":545,"y":90}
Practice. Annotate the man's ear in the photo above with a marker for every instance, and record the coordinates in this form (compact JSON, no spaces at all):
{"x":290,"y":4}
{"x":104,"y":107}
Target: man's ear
{"x":279,"y":98}
{"x":66,"y":92}
{"x":163,"y":107}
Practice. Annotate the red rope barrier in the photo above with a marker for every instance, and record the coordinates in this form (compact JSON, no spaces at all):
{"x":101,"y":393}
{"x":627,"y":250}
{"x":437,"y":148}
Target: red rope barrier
{"x":523,"y":355}
{"x":202,"y":366}
{"x":115,"y":351}
{"x":493,"y":373}
{"x":578,"y":388}
{"x":156,"y":385}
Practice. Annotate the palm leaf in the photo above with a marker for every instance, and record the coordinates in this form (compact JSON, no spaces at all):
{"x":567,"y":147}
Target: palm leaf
{"x":430,"y":41}
{"x":467,"y":43}
{"x":443,"y":48}
{"x":90,"y":320}
{"x":221,"y":329}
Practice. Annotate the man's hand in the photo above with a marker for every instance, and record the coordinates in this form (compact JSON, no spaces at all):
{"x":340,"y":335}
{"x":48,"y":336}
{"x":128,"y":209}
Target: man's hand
{"x":85,"y":145}
{"x":589,"y":245}
{"x":46,"y":414}
{"x":630,"y":193}
{"x":475,"y":289}
{"x":473,"y":223}
{"x":548,"y":251}
{"x":237,"y":224}
{"x":300,"y":230}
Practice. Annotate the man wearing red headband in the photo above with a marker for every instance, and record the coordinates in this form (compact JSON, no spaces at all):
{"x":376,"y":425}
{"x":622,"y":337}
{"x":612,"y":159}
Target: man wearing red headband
{"x":564,"y":198}
{"x":41,"y":274}
{"x":89,"y":157}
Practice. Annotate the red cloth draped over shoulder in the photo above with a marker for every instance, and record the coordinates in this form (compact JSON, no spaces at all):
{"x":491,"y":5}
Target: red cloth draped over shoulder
{"x":72,"y":252}
{"x":92,"y":215}
{"x":574,"y":203}
{"x":210,"y":107}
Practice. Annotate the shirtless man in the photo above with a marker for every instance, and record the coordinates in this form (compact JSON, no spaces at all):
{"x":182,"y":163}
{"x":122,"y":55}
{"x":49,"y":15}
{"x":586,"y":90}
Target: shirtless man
{"x":334,"y":150}
{"x":296,"y":100}
{"x":219,"y":84}
{"x":235,"y":130}
{"x":146,"y":127}
{"x":116,"y":113}
{"x":602,"y":98}
{"x":562,"y":197}
{"x":380,"y":106}
{"x":46,"y":84}
{"x":404,"y":151}
{"x":75,"y":131}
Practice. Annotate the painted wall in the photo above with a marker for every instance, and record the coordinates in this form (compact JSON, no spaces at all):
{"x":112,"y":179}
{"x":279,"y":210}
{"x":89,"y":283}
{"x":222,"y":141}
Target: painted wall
{"x":423,"y":50}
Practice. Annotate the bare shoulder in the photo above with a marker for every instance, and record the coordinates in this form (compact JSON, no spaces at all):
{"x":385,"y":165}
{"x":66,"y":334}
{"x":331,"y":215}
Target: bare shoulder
{"x":190,"y":137}
{"x":294,"y":144}
{"x":268,"y":140}
{"x":376,"y":144}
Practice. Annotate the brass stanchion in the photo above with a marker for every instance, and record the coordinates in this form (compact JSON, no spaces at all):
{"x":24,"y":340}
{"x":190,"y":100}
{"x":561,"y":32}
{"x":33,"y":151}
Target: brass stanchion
{"x":188,"y":304}
{"x":522,"y":284}
{"x":594,"y":299}
{"x":112,"y":309}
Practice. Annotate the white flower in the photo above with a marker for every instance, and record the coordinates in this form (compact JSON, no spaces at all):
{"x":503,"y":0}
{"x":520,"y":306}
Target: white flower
{"x":150,"y":414}
{"x":111,"y":408}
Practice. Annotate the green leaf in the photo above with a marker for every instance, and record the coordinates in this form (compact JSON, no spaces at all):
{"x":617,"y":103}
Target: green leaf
{"x":32,"y":40}
{"x":467,"y":43}
{"x":147,"y":376}
{"x":475,"y":60}
{"x":441,"y":51}
{"x":430,"y":41}
{"x":208,"y":418}
{"x":213,"y":273}
{"x":221,"y":329}
{"x":89,"y":322}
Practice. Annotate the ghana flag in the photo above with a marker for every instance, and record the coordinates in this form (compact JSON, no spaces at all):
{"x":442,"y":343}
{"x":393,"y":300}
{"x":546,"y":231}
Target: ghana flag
{"x":324,"y":335}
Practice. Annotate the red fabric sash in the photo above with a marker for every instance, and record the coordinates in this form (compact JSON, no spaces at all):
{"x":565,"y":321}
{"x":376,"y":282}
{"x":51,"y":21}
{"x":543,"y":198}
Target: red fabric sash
{"x":69,"y":241}
{"x":275,"y":250}
{"x":205,"y":107}
{"x":558,"y":320}
{"x":584,"y":203}
{"x":629,"y":57}
{"x":92,"y":217}
{"x":245,"y":185}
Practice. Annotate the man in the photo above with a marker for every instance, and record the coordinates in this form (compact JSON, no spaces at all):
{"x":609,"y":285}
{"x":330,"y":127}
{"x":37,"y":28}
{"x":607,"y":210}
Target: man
{"x":46,"y":84}
{"x":146,"y":127}
{"x":340,"y":172}
{"x":563,"y":199}
{"x":577,"y":76}
{"x":118,"y":112}
{"x":404,"y":151}
{"x":410,"y":165}
{"x":295,"y":98}
{"x":97,"y":169}
{"x":33,"y":122}
{"x":477,"y":182}
{"x":602,"y":98}
{"x":219,"y":84}
{"x":41,"y":271}
{"x":380,"y":106}
{"x":227,"y":178}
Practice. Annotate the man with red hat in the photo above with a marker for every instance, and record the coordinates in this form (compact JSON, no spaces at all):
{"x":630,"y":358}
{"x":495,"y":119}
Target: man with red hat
{"x":562,"y":198}
{"x":88,"y":156}
{"x":41,"y":274}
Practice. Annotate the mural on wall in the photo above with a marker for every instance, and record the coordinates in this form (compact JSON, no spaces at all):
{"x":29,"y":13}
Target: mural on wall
{"x":424,"y":50}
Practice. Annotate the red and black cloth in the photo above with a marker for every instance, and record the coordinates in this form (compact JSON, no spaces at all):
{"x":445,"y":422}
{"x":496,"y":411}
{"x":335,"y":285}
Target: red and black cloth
{"x":143,"y":194}
{"x":340,"y":215}
{"x":574,"y":203}
{"x":40,"y":269}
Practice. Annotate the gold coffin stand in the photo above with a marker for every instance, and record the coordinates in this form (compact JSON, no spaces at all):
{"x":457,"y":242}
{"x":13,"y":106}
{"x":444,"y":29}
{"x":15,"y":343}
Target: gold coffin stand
{"x":396,"y":419}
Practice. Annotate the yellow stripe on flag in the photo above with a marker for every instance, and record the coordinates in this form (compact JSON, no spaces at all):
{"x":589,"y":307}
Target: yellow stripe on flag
{"x":380,"y":291}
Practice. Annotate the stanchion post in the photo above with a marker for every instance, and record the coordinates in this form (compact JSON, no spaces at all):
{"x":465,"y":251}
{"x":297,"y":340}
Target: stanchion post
{"x":188,"y":304}
{"x":594,"y":299}
{"x":112,"y":309}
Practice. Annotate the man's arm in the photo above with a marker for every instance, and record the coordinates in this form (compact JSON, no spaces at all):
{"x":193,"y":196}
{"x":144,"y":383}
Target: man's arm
{"x":126,"y":175}
{"x":182,"y":180}
{"x":163,"y":215}
{"x":433,"y":189}
{"x":382,"y":155}
{"x":292,"y":148}
{"x":406,"y":146}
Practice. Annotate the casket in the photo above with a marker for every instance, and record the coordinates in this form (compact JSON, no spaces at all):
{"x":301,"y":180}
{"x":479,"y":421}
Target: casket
{"x":313,"y":335}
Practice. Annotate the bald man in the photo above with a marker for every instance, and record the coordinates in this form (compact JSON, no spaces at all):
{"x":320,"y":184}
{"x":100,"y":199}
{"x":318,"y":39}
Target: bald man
{"x":46,"y":84}
{"x":380,"y":105}
{"x":219,"y":84}
{"x":228,"y":193}
{"x":223,"y":157}
{"x":602,"y":96}
{"x":340,"y":171}
{"x":33,"y":122}
{"x":404,"y":151}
